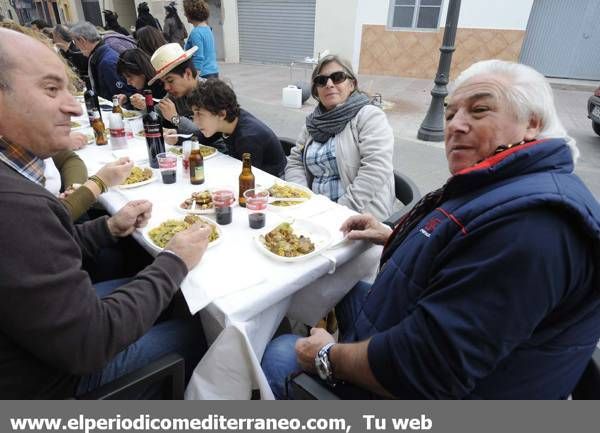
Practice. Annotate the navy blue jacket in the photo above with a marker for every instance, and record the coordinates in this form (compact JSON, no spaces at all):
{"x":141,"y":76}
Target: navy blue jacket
{"x":495,"y":294}
{"x":103,"y":71}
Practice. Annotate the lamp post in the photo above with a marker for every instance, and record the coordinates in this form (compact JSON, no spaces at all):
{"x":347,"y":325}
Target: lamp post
{"x":432,"y":128}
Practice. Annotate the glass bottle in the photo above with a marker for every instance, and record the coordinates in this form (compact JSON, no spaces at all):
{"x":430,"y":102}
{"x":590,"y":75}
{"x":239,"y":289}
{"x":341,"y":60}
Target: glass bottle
{"x":246,"y":178}
{"x":153,"y":131}
{"x":99,"y":130}
{"x":91,"y":101}
{"x":196,"y":165}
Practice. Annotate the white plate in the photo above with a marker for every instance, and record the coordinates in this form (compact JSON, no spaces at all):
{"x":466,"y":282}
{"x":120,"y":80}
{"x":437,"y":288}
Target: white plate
{"x":199,"y":211}
{"x":157,"y":248}
{"x":319,"y":235}
{"x":215,"y":153}
{"x":296,"y":204}
{"x":138,"y":114}
{"x":145,"y":182}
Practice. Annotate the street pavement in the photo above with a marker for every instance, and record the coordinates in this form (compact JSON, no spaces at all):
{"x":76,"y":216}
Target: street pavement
{"x":406,"y":101}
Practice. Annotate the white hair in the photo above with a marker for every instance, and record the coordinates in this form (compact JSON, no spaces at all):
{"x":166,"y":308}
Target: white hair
{"x":86,"y":31}
{"x":528,"y":93}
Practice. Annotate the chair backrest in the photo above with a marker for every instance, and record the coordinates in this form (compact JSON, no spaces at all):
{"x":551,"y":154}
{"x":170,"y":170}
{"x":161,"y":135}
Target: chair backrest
{"x":407,"y":193}
{"x":588,"y":387}
{"x":287,"y":144}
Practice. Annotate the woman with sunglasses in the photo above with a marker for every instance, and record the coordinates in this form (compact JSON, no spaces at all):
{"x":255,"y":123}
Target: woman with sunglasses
{"x":345,"y":149}
{"x":134,"y":65}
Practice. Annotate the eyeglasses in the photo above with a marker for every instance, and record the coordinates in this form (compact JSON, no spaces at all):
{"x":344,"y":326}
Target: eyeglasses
{"x":336,"y":78}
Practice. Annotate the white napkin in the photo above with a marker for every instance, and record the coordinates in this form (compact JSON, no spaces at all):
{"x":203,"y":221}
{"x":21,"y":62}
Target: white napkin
{"x":211,"y":280}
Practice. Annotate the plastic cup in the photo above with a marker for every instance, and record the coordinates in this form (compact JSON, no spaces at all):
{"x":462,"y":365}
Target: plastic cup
{"x":256,"y":203}
{"x":223,"y":198}
{"x":167,"y":163}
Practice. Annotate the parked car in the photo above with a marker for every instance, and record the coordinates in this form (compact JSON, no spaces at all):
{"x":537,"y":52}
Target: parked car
{"x":594,"y":110}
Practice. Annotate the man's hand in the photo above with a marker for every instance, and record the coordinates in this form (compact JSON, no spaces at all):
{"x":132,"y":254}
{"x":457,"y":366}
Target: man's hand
{"x":78,"y":140}
{"x":167,"y":108}
{"x":189,"y":245}
{"x":122,"y":98}
{"x":138,"y":101}
{"x":169,"y":137}
{"x":366,"y":227}
{"x":133,"y":215}
{"x":307,"y":348}
{"x":115,"y":173}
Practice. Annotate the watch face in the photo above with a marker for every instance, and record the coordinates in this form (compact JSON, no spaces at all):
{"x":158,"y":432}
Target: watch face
{"x":320,"y":368}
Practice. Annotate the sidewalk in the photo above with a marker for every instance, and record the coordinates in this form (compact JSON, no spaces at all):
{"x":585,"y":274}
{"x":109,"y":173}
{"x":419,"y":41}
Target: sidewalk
{"x":259,"y":91}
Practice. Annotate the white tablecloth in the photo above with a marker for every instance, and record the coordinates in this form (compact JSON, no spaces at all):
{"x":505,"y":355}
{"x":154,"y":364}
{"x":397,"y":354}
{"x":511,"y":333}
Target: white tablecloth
{"x":242,"y":294}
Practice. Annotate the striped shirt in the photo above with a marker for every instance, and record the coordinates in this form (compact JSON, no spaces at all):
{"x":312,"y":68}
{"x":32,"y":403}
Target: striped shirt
{"x":321,"y":163}
{"x":22,"y":161}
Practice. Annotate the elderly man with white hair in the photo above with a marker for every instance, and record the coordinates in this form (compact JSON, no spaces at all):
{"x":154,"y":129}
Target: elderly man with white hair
{"x":489,"y":286}
{"x":102,"y":61}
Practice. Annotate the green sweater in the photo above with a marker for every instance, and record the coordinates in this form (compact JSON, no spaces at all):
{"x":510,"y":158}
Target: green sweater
{"x":73,"y":170}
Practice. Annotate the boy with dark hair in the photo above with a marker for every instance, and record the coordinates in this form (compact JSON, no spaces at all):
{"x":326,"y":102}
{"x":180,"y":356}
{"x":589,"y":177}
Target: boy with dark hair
{"x":218,"y":115}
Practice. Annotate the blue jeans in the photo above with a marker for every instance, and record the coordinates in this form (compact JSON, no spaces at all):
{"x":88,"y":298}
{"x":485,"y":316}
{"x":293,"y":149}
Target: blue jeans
{"x":279,"y":360}
{"x":182,"y":335}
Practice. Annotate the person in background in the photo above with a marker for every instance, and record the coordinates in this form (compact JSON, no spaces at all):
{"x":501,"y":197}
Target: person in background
{"x":135,"y":66}
{"x":39,"y":25}
{"x":173,"y":28}
{"x":201,"y":36}
{"x":62,"y":337}
{"x":112,"y":22}
{"x":347,"y":144}
{"x":102,"y":61}
{"x":64,"y":41}
{"x":145,"y":18}
{"x":218,"y":115}
{"x":488,"y":287}
{"x":149,"y":39}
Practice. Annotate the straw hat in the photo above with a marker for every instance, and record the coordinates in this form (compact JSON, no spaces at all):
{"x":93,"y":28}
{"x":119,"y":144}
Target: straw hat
{"x":167,"y":57}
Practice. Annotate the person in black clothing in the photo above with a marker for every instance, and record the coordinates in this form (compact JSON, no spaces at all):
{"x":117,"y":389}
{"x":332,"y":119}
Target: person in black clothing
{"x":134,"y":65}
{"x":112,"y":22}
{"x":64,"y":41}
{"x":173,"y":28}
{"x":145,"y":18}
{"x":218,"y":115}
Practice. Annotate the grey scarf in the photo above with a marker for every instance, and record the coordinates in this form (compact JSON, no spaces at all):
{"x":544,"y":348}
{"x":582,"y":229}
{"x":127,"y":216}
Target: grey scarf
{"x":322,"y":125}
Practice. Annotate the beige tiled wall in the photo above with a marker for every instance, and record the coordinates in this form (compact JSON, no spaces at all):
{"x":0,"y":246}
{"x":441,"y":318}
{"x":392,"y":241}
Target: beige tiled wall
{"x":416,"y":54}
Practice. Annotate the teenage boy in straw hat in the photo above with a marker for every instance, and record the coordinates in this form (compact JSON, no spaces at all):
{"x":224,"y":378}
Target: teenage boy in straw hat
{"x":180,"y":78}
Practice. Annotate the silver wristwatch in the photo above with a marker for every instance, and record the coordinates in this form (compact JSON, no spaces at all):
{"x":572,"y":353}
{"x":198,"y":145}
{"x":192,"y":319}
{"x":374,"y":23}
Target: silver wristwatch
{"x":323,"y":364}
{"x":175,"y":120}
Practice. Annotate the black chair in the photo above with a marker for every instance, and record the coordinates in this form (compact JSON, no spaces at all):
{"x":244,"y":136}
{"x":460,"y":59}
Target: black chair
{"x":588,"y":387}
{"x":167,"y":372}
{"x":407,"y":193}
{"x":287,"y":144}
{"x":305,"y":387}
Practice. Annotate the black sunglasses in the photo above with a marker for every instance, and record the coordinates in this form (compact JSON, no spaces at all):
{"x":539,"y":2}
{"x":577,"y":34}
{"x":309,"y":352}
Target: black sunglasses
{"x":336,"y":78}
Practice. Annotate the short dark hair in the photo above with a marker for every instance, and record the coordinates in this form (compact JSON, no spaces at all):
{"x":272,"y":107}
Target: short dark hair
{"x":136,"y":62}
{"x":196,"y":10}
{"x":150,"y":39}
{"x":180,"y":69}
{"x":215,"y":96}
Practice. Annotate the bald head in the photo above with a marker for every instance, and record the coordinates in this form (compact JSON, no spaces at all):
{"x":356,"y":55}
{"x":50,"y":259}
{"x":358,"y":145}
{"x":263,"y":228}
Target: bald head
{"x":12,"y":46}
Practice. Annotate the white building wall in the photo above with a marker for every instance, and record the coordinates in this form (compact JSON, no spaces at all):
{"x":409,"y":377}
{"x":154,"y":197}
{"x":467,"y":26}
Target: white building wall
{"x":482,"y":14}
{"x":231,"y":36}
{"x":335,"y":27}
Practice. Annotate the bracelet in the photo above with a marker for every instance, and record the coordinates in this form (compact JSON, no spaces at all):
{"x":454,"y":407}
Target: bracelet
{"x":100,"y":183}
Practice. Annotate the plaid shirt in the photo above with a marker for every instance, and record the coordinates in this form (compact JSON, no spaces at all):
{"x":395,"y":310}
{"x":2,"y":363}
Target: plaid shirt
{"x":22,"y":161}
{"x":320,"y":161}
